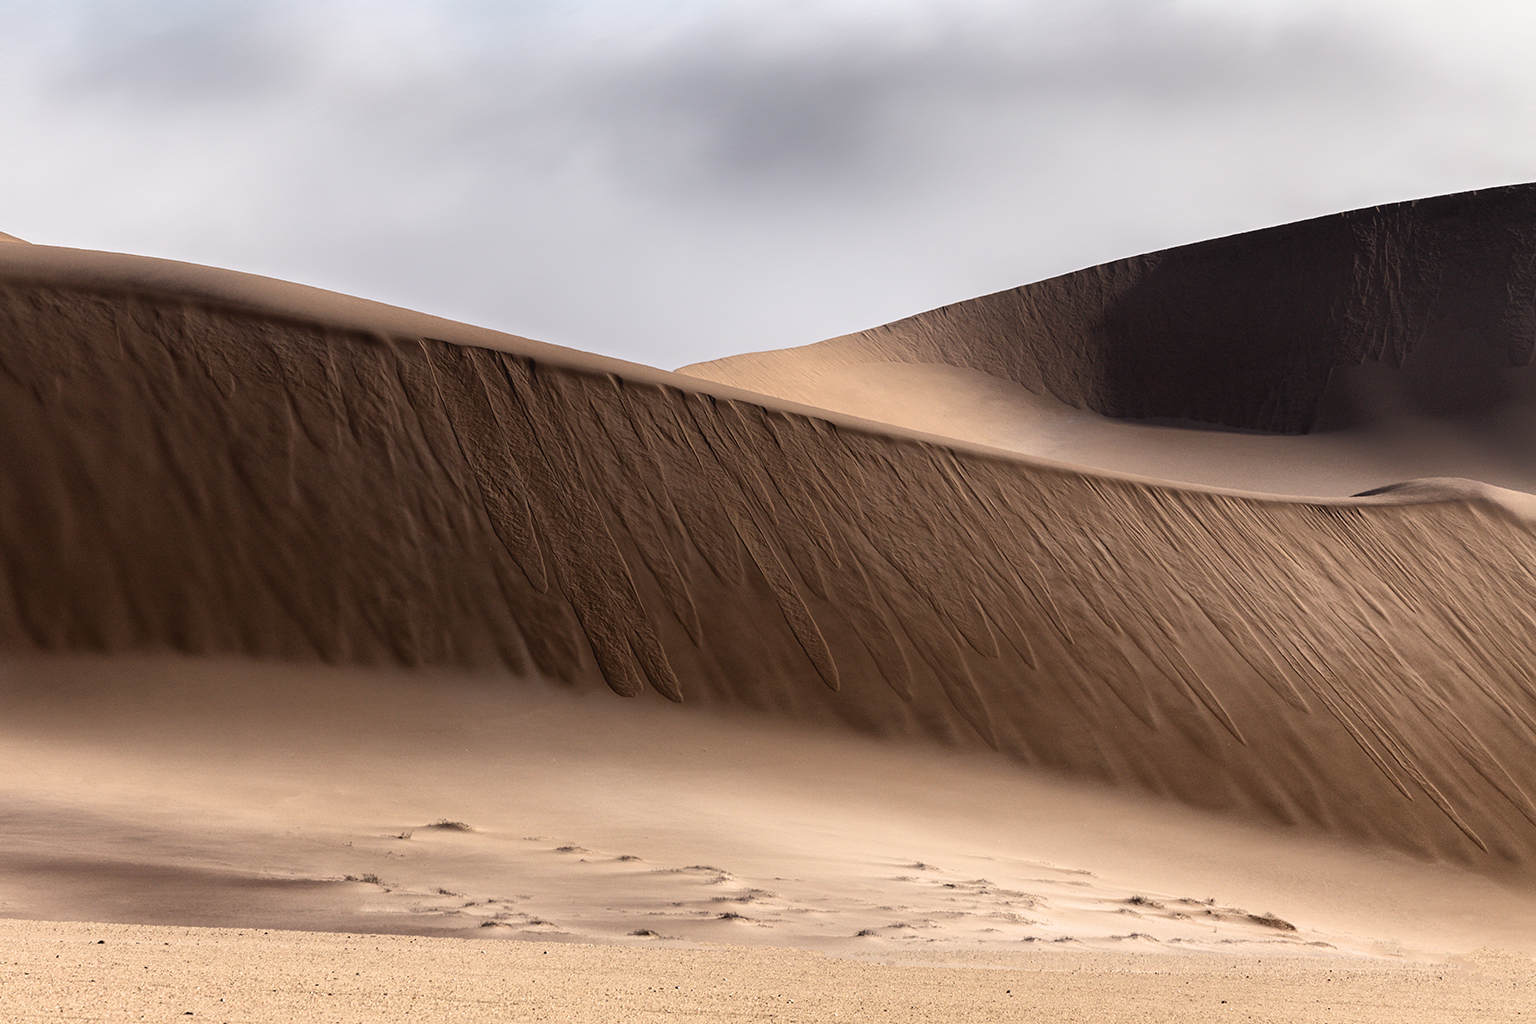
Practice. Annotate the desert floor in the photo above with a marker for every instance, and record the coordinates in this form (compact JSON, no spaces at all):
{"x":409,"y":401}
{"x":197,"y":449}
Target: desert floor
{"x":631,"y":860}
{"x":88,"y":972}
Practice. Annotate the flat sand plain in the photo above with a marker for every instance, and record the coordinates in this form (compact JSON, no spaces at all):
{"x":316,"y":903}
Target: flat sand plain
{"x":85,"y":972}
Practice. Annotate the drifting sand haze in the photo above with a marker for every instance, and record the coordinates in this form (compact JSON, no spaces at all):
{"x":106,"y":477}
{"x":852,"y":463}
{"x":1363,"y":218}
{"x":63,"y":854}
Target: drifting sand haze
{"x":283,"y":797}
{"x":271,"y":797}
{"x":944,"y":691}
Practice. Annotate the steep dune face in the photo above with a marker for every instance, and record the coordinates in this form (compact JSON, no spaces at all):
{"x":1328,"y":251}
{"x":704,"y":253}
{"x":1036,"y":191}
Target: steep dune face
{"x":1244,"y":331}
{"x":217,"y":465}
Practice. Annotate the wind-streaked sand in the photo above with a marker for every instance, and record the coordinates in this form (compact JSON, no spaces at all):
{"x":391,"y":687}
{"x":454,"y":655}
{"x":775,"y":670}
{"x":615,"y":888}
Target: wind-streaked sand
{"x":320,"y":614}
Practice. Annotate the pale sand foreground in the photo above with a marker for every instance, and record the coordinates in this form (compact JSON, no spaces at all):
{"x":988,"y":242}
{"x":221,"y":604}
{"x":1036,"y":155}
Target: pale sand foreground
{"x":226,"y":793}
{"x":93,"y":972}
{"x":182,"y":790}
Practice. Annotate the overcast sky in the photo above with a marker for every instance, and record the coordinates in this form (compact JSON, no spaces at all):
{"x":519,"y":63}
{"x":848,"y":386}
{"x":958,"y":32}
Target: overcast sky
{"x":672,"y":181}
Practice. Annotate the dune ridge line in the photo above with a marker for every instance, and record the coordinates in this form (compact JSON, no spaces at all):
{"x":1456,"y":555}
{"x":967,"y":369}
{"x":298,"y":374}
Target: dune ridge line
{"x":216,"y":473}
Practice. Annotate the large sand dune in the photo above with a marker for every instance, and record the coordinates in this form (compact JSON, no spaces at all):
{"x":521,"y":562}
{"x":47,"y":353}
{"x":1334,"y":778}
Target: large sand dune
{"x":1249,"y":331}
{"x":918,"y":536}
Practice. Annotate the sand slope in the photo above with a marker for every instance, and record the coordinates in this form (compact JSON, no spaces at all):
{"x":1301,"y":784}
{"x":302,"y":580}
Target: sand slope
{"x":1246,"y":331}
{"x":216,"y":464}
{"x":1387,"y":438}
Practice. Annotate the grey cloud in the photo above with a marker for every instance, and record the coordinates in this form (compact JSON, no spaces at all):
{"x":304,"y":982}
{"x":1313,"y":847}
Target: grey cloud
{"x":182,"y":54}
{"x":718,"y":186}
{"x":719,"y":113}
{"x":865,"y":111}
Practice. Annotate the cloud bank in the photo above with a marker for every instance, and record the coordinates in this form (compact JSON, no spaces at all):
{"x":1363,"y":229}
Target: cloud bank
{"x":673,"y":182}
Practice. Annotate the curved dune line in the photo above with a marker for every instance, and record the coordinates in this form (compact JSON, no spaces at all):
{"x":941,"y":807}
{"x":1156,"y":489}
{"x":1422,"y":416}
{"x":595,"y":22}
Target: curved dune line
{"x":222,"y":465}
{"x":1242,"y":331}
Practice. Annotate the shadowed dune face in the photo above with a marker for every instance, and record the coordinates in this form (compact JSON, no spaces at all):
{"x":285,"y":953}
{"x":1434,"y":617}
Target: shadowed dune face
{"x":1245,"y":331}
{"x":198,"y":476}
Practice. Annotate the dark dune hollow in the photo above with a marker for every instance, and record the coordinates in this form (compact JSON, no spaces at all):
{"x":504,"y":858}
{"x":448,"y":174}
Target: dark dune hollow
{"x":1243,"y":331}
{"x":210,"y":463}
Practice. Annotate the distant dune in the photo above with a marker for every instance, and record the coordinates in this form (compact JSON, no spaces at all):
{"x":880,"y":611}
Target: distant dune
{"x":935,"y":532}
{"x":1247,"y":331}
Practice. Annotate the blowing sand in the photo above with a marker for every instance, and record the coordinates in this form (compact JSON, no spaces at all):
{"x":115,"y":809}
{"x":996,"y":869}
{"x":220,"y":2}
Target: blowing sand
{"x":450,"y":674}
{"x":773,"y":872}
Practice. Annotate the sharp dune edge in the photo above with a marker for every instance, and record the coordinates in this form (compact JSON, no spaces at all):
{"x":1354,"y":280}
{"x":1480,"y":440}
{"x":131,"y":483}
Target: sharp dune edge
{"x":1244,"y":331}
{"x":208,"y":463}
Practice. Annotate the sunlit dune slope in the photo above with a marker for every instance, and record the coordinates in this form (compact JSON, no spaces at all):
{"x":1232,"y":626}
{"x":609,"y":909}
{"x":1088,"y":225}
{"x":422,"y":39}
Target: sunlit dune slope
{"x":212,"y":463}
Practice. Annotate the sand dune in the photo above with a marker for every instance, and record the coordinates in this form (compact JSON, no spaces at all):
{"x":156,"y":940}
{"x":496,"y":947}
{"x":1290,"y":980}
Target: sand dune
{"x":188,"y":472}
{"x":1255,"y":331}
{"x":1386,"y":442}
{"x":917,"y":536}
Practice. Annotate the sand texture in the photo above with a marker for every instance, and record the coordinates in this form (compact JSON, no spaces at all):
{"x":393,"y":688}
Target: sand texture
{"x":74,"y":972}
{"x":317,"y":614}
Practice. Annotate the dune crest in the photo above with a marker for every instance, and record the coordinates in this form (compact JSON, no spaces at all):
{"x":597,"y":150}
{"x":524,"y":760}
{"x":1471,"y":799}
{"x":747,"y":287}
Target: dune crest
{"x":216,"y":464}
{"x":1244,"y":331}
{"x":1518,"y":504}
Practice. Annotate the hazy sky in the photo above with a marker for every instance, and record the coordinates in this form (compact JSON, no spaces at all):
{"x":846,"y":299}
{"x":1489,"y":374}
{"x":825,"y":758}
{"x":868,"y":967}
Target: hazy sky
{"x":670,"y":181}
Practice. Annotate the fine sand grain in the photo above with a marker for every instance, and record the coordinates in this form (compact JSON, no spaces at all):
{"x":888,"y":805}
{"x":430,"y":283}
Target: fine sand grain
{"x":77,"y":971}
